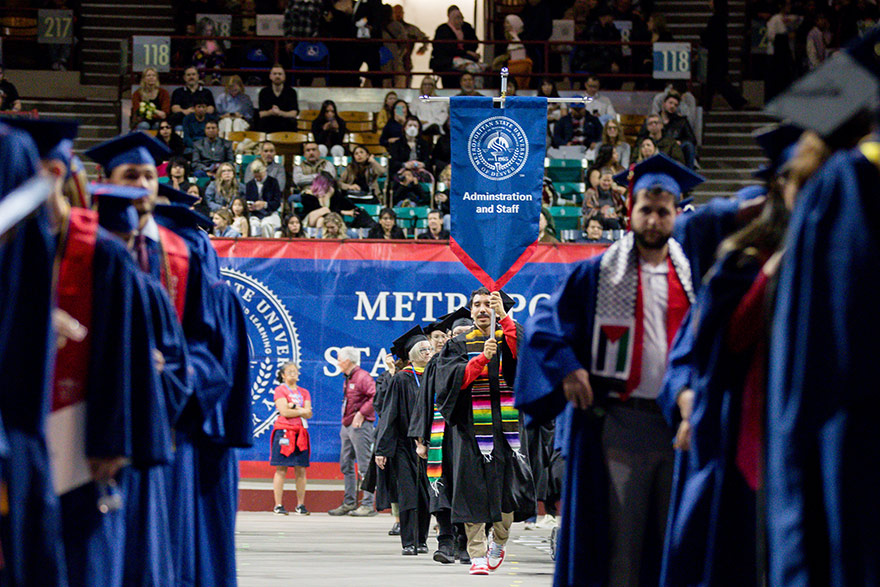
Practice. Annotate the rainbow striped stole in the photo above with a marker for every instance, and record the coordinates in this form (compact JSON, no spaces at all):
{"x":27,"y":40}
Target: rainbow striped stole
{"x":435,"y":447}
{"x":481,"y":398}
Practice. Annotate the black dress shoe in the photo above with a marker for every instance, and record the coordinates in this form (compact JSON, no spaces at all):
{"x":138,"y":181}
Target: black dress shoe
{"x":444,"y":555}
{"x":409,"y":551}
{"x":395,"y":529}
{"x":463,"y":557}
{"x":423,"y":549}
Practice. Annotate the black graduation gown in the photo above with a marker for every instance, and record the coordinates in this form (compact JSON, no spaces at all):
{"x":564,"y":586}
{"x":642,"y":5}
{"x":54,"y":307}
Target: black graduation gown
{"x":393,"y":441}
{"x":481,"y":489}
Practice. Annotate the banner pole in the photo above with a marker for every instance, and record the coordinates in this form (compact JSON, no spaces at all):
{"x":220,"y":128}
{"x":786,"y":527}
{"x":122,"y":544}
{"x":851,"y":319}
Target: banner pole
{"x":504,"y":73}
{"x":584,"y":99}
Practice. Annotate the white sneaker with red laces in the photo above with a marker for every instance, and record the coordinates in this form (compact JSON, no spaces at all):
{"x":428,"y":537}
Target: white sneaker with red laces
{"x":478,"y":566}
{"x":496,"y":556}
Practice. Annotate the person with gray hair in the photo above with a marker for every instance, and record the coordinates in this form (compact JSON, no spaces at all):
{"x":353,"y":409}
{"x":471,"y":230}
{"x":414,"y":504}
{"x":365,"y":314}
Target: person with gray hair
{"x":356,"y":432}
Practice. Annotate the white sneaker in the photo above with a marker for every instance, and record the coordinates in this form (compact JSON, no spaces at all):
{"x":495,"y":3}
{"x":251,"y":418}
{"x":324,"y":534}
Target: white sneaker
{"x":548,"y":521}
{"x":495,"y":556}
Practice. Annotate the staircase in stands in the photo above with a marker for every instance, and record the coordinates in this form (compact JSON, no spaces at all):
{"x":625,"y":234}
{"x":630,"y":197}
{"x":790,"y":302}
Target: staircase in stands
{"x":728,"y":154}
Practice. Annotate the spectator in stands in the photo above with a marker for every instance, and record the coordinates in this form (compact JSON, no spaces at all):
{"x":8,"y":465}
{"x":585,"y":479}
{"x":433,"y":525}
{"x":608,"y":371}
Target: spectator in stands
{"x":605,"y":201}
{"x":780,"y":34}
{"x":577,"y":128}
{"x":538,"y":18}
{"x":387,"y":227}
{"x":408,"y":190}
{"x":600,"y":59}
{"x":209,"y":53}
{"x":171,"y":139}
{"x":338,"y":23}
{"x":9,"y":100}
{"x":597,"y":105}
{"x":468,"y":85}
{"x":224,"y":188}
{"x":687,"y":105}
{"x":334,"y":226}
{"x":607,"y":159}
{"x":613,"y":135}
{"x":412,"y":152}
{"x":273,"y":169}
{"x":178,"y":174}
{"x":434,"y":115}
{"x":435,"y":231}
{"x":323,"y":197}
{"x":647,"y":149}
{"x":291,"y":228}
{"x":310,"y":166}
{"x":678,"y":127}
{"x":277,"y":103}
{"x":555,"y":110}
{"x":263,"y":201}
{"x":459,"y":56}
{"x":546,"y":232}
{"x":818,"y":40}
{"x":368,"y":19}
{"x":329,"y":130}
{"x":413,"y":33}
{"x":664,"y":143}
{"x":441,"y":154}
{"x":302,"y":19}
{"x":637,"y":32}
{"x":183,"y":99}
{"x":241,"y":219}
{"x":223,"y":224}
{"x":361,"y":176}
{"x":515,"y":50}
{"x":441,"y":201}
{"x":234,"y":107}
{"x":150,"y":103}
{"x":200,"y":206}
{"x":386,"y":113}
{"x":593,"y":232}
{"x":211,"y":151}
{"x":194,"y":123}
{"x":393,"y":30}
{"x":393,"y":130}
{"x":511,"y":87}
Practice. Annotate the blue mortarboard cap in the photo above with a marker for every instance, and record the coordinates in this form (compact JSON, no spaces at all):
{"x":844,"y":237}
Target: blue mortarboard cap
{"x":54,"y":137}
{"x":136,"y":148}
{"x":176,"y":196}
{"x":828,"y":97}
{"x":659,"y":171}
{"x":402,"y":345}
{"x":183,"y":216}
{"x":778,"y":143}
{"x":115,"y":210}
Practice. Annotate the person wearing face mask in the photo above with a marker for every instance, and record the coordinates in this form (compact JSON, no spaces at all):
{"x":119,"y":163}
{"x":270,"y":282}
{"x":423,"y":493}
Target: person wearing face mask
{"x":412,"y":151}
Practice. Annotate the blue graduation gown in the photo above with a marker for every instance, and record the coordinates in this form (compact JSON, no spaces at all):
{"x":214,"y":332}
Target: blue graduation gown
{"x":94,"y":542}
{"x":31,"y":531}
{"x":148,"y":555}
{"x":823,"y":441}
{"x":552,"y":348}
{"x":700,"y":232}
{"x":711,"y":527}
{"x":223,"y":401}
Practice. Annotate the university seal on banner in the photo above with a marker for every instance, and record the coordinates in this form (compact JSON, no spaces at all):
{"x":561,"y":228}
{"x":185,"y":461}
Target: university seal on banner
{"x":498,"y":148}
{"x":272,"y":341}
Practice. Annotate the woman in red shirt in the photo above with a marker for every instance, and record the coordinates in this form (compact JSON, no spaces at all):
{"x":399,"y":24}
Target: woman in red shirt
{"x":290,"y":437}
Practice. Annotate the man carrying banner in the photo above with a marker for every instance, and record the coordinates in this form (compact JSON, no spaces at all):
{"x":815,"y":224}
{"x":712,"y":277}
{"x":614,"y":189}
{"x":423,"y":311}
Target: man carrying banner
{"x":491,"y":477}
{"x":600,"y":343}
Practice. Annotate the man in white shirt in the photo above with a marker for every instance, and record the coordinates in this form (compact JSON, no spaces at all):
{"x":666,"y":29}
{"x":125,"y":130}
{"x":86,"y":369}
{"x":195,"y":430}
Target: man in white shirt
{"x":433,"y":115}
{"x":599,"y":106}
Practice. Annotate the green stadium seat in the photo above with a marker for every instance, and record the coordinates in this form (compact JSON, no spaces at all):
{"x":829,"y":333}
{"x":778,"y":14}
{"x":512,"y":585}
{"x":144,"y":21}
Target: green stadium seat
{"x":164,"y":179}
{"x":203,"y":182}
{"x":566,"y":217}
{"x":570,"y":170}
{"x":571,"y":191}
{"x":243,"y":161}
{"x":371,"y":209}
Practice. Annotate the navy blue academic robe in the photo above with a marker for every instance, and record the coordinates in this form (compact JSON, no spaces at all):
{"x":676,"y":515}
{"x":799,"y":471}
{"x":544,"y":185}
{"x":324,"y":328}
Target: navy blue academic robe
{"x":223,"y":404}
{"x":552,"y":348}
{"x":148,"y":554}
{"x":823,"y":440}
{"x":94,"y":542}
{"x":31,"y":530}
{"x":700,"y":232}
{"x":711,"y":527}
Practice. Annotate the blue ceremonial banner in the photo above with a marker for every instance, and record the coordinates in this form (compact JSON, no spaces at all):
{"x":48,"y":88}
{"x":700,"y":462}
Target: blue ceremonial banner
{"x":305,"y":299}
{"x":497,"y":176}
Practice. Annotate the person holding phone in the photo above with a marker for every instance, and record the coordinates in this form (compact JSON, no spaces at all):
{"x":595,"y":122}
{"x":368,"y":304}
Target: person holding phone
{"x":290,"y":437}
